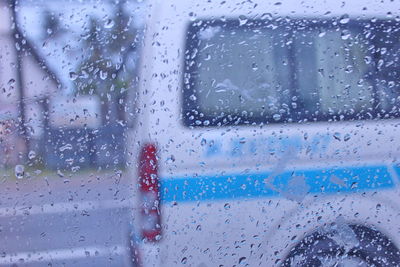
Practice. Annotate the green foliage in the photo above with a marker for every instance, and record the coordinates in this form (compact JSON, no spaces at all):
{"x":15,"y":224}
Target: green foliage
{"x":102,"y":72}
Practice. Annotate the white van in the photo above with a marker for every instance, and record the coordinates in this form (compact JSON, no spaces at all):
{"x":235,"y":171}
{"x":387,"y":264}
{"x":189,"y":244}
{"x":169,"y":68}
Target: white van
{"x":267,"y":133}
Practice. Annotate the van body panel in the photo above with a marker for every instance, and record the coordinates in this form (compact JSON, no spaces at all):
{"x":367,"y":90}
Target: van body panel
{"x":248,"y":193}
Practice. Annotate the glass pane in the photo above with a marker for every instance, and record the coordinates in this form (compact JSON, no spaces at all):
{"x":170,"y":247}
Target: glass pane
{"x":330,"y":74}
{"x":288,"y":71}
{"x":240,"y":71}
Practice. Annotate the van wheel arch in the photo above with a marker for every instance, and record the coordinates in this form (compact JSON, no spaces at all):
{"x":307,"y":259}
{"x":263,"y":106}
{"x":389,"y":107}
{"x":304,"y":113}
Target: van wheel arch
{"x":373,"y":248}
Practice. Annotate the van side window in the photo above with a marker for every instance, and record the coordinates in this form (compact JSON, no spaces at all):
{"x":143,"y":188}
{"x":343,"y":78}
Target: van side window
{"x":285,"y":70}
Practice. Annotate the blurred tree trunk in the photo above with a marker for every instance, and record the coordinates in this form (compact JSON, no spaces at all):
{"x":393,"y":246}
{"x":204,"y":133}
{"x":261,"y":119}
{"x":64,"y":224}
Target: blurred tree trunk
{"x":22,"y":145}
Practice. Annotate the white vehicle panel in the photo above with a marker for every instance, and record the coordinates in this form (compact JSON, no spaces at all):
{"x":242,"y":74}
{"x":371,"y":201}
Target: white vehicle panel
{"x":226,"y":192}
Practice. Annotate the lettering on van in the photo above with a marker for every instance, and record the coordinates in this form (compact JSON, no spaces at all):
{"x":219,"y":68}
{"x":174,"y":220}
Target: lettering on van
{"x":316,"y":145}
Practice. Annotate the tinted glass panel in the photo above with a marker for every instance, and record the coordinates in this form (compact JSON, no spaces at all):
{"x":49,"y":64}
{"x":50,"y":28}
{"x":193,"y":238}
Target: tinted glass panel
{"x":289,"y":71}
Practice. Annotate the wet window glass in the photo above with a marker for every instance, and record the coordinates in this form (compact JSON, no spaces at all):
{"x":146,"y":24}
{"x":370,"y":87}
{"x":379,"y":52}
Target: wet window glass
{"x":152,"y":133}
{"x":289,"y":71}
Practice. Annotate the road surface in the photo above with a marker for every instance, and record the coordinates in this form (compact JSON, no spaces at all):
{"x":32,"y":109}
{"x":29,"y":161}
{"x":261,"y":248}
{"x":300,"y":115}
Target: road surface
{"x":82,"y":220}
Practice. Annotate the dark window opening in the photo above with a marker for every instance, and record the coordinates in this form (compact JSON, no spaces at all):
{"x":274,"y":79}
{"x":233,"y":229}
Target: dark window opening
{"x":295,"y":70}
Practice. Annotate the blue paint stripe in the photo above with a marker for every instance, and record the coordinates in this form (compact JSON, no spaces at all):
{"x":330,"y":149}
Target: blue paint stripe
{"x":329,"y":181}
{"x":397,"y":170}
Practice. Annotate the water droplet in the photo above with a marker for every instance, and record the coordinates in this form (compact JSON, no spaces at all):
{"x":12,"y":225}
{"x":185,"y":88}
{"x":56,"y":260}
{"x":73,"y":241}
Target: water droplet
{"x":266,"y":16}
{"x":276,"y":117}
{"x":380,"y":64}
{"x":192,"y":16}
{"x":109,"y":24}
{"x":242,"y":20}
{"x":242,"y":260}
{"x":11,"y":82}
{"x":170,"y":159}
{"x":60,"y":173}
{"x":103,"y":75}
{"x":75,"y":168}
{"x":19,"y":171}
{"x":321,"y":72}
{"x":346,"y":137}
{"x":345,"y":34}
{"x":337,"y":136}
{"x":344,"y":19}
{"x":84,"y":75}
{"x":31,"y":154}
{"x":73,"y":76}
{"x":349,"y":69}
{"x":203,"y":142}
{"x":184,"y":260}
{"x":354,"y":185}
{"x":367,"y":59}
{"x":65,"y":147}
{"x":227,"y":206}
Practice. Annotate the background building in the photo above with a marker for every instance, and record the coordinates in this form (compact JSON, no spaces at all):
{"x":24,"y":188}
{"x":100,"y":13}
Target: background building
{"x":65,"y":75}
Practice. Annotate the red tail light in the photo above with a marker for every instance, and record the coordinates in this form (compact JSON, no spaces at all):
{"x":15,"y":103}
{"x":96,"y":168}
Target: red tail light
{"x":149,"y":193}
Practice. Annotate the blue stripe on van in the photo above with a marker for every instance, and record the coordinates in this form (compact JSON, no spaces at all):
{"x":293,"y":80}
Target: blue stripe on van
{"x":287,"y":184}
{"x":397,"y":169}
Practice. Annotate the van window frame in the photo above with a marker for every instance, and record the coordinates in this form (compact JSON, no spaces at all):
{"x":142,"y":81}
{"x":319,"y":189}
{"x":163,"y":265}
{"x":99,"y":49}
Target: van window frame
{"x":191,"y":107}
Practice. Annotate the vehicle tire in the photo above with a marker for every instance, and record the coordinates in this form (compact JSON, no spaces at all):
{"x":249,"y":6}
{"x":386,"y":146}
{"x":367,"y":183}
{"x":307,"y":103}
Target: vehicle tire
{"x":369,"y":247}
